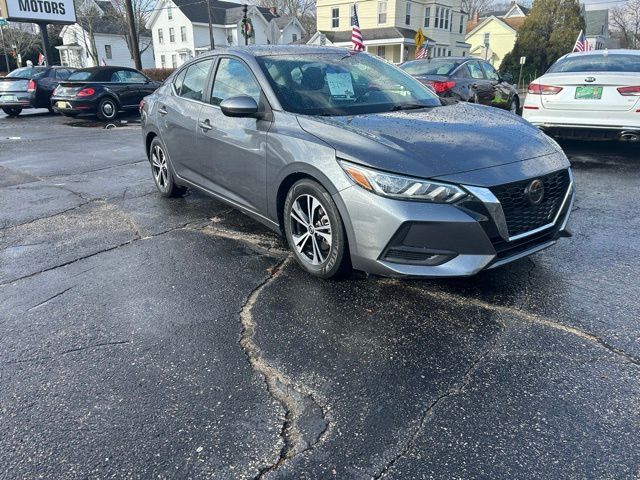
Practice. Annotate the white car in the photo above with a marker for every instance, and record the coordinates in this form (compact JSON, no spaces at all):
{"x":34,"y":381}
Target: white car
{"x":592,"y":94}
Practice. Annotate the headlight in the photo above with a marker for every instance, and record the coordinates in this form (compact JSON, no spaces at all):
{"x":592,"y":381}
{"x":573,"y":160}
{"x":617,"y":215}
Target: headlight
{"x":406,"y":188}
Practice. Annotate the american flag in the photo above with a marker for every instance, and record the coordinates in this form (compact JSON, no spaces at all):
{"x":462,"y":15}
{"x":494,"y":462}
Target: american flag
{"x":423,"y":51}
{"x":357,"y":44}
{"x":582,"y":44}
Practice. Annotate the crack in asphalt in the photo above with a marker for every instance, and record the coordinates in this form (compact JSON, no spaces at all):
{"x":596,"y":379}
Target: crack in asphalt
{"x":44,"y":302}
{"x":427,"y":413}
{"x":531,"y":318}
{"x":296,"y":400}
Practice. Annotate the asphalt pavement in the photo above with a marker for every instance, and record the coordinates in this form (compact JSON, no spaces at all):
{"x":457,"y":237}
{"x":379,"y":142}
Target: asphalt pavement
{"x":145,"y":337}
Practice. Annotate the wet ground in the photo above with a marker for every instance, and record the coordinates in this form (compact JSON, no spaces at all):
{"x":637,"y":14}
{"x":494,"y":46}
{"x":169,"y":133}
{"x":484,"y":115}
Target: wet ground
{"x":144,"y":337}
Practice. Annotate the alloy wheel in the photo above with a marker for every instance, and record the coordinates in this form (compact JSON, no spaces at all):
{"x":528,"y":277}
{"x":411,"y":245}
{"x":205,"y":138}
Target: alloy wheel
{"x":310,"y":229}
{"x":160,"y":168}
{"x":108,"y":109}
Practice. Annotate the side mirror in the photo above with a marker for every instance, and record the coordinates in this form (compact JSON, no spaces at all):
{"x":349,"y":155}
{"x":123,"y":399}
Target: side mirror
{"x":507,"y":77}
{"x":240,"y":106}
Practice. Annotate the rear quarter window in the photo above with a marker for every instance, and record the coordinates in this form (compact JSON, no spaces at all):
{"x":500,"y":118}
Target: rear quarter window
{"x":79,"y":76}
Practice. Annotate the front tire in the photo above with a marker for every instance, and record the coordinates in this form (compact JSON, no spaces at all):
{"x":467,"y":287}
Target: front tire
{"x":161,"y":171}
{"x":12,"y":112}
{"x":314,"y":230}
{"x":107,"y":109}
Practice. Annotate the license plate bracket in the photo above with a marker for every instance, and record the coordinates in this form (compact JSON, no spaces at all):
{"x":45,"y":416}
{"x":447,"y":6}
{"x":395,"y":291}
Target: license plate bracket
{"x":588,"y":93}
{"x":63,"y":105}
{"x":9,"y":98}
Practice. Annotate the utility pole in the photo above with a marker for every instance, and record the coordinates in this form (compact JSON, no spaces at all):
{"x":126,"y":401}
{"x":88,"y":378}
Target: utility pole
{"x":212,"y":42}
{"x":4,"y":48}
{"x":135,"y":46}
{"x":46,"y":45}
{"x":244,"y":24}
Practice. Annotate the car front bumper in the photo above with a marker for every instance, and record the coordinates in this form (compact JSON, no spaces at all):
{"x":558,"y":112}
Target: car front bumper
{"x":415,"y":239}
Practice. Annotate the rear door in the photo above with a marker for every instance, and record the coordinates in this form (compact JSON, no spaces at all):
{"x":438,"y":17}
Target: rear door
{"x":233,"y":151}
{"x":177,"y":117}
{"x":482,"y":88}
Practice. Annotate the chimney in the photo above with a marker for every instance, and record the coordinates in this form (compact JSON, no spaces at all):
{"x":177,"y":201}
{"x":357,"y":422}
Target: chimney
{"x":475,"y":18}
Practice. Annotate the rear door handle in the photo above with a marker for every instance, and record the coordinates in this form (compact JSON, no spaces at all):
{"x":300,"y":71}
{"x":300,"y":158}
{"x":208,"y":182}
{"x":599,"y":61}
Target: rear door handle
{"x":206,"y":126}
{"x":162,"y":111}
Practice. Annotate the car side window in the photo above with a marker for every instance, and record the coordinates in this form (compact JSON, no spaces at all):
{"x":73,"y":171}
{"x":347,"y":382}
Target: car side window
{"x":463,"y":72}
{"x":476,"y":71}
{"x":62,"y":74}
{"x":490,"y":72}
{"x":135,"y":77}
{"x":233,"y":78}
{"x":119,"y":76}
{"x":178,"y":80}
{"x":195,"y":80}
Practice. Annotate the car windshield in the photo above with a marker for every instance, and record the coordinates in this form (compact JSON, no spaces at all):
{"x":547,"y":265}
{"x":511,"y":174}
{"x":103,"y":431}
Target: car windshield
{"x":342,"y":84}
{"x":430,"y":67}
{"x":79,"y":76}
{"x":29,"y":72}
{"x":597,"y":63}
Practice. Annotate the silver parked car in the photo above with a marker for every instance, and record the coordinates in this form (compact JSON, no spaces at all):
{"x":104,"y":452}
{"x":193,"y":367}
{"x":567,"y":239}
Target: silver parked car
{"x":357,"y":163}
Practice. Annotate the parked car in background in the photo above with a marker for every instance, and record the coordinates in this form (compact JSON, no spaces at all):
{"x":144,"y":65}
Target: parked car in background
{"x":588,"y":94}
{"x":103,"y":91}
{"x":467,"y":79}
{"x":30,"y":87}
{"x":357,"y":163}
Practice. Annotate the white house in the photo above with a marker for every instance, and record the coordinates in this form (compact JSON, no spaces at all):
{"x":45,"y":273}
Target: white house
{"x":180,"y":28}
{"x":107,"y":37}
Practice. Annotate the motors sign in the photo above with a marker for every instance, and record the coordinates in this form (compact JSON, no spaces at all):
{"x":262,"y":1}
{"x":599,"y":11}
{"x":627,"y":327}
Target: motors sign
{"x":44,"y":11}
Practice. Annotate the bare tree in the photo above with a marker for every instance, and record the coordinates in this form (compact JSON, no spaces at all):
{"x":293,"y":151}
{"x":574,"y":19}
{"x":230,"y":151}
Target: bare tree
{"x":89,"y":18}
{"x":625,"y":19}
{"x":477,"y":6}
{"x":142,"y":10}
{"x":303,"y":10}
{"x":19,"y":42}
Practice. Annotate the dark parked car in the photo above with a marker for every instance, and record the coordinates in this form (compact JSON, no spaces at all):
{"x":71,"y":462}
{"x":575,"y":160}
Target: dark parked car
{"x":30,"y":87}
{"x":467,"y":79}
{"x":357,"y":163}
{"x":103,"y":91}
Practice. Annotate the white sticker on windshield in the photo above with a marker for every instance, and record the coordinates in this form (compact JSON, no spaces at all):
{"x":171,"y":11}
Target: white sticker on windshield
{"x":340,"y":85}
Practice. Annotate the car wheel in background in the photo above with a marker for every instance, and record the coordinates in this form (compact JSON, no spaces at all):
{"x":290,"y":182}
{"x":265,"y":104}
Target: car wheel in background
{"x":314,"y":230}
{"x":12,"y":112}
{"x":161,"y":171}
{"x":107,"y":109}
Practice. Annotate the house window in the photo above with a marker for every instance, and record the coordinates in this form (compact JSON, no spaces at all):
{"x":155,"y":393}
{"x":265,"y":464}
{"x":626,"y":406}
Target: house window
{"x":294,"y":37}
{"x":335,"y":17}
{"x":446,"y":19}
{"x":407,"y":14}
{"x":427,"y":16}
{"x":183,"y":34}
{"x":382,"y":12}
{"x":172,"y":35}
{"x":382,"y":51}
{"x":486,"y":39}
{"x":170,"y":12}
{"x":436,"y":23}
{"x":461,"y":24}
{"x":450,"y":17}
{"x":174,"y":61}
{"x":107,"y":52}
{"x":160,"y":36}
{"x":163,"y":61}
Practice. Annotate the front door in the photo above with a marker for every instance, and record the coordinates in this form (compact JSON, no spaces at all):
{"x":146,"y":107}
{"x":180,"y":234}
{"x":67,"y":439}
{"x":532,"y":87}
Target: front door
{"x":233,"y":150}
{"x":500,"y":95}
{"x":482,"y":88}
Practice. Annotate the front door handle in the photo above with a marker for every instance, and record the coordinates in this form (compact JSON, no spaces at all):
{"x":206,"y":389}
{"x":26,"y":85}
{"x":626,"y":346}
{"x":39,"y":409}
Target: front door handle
{"x":206,"y":126}
{"x":162,"y":111}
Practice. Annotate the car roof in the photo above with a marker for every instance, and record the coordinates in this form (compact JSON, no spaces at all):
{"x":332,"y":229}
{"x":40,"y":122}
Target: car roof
{"x":450,"y":59}
{"x":105,"y":69}
{"x":270,"y":50}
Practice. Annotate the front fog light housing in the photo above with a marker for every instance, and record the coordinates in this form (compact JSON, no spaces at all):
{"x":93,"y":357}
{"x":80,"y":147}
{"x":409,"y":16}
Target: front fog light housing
{"x":401,"y":187}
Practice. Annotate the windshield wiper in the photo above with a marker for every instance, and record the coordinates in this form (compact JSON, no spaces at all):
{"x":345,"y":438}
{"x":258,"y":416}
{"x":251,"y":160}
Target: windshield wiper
{"x":408,"y":106}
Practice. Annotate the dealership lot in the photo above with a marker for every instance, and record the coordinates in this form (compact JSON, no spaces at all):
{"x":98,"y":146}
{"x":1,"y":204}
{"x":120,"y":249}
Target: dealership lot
{"x":175,"y":338}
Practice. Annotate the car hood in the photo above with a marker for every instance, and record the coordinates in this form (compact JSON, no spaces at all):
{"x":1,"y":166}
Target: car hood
{"x":432,"y":142}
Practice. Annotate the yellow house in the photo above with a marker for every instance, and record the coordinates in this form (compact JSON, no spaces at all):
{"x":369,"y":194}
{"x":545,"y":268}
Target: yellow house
{"x":491,"y":38}
{"x":389,"y":26}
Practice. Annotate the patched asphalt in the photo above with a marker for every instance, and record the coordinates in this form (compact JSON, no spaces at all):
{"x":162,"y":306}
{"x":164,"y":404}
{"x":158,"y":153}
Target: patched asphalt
{"x":175,"y":338}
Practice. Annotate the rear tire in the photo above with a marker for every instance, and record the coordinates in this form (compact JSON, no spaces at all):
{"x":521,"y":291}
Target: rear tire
{"x":107,"y":109}
{"x":314,"y":230}
{"x":162,"y":171}
{"x":12,"y":112}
